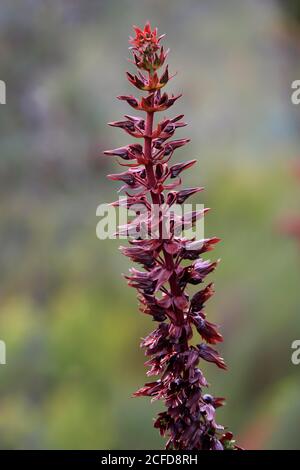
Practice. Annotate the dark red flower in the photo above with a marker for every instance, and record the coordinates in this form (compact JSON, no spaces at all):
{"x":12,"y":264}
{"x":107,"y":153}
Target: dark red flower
{"x":199,"y":299}
{"x":189,"y":419}
{"x":130,"y":152}
{"x":175,"y":170}
{"x":211,"y":355}
{"x":206,"y":329}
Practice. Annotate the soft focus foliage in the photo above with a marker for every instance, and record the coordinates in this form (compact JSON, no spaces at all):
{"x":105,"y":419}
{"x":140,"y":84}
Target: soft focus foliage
{"x":66,"y":383}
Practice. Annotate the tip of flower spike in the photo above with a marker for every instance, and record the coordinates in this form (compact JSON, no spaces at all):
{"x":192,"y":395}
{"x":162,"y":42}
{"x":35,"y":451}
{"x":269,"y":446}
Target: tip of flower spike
{"x":147,"y":28}
{"x":145,"y":40}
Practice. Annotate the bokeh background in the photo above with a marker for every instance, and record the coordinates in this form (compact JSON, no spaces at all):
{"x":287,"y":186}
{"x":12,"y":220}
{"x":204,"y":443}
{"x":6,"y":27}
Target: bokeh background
{"x":70,"y":324}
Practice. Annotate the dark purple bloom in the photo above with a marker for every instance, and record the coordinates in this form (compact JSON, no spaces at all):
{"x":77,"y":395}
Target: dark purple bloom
{"x":211,"y":355}
{"x":175,"y":170}
{"x":189,"y":421}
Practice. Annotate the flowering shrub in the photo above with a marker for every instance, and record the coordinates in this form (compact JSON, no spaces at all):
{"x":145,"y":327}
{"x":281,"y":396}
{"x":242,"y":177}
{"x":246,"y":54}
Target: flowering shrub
{"x":169,"y":264}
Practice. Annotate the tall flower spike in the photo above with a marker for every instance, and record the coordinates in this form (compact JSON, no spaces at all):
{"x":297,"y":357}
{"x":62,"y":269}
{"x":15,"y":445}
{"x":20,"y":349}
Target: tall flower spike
{"x":162,"y":278}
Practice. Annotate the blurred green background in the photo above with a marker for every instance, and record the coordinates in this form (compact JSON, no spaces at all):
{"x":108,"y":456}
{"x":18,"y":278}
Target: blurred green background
{"x":71,"y":326}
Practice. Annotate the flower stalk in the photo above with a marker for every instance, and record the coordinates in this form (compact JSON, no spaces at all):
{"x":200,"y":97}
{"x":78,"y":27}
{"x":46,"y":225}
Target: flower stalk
{"x":189,"y":420}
